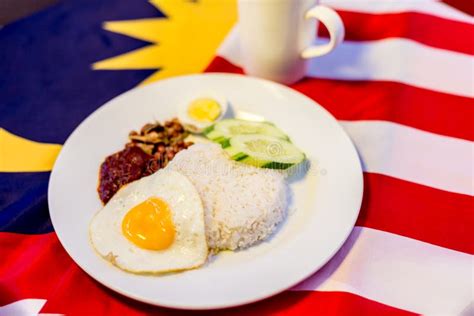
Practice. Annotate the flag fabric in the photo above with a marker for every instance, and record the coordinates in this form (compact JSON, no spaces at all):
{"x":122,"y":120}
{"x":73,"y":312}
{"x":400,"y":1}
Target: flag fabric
{"x":401,"y":85}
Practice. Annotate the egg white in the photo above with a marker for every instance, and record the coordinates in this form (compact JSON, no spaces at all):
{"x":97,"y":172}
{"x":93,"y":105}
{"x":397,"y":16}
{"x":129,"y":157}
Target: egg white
{"x":189,"y":249}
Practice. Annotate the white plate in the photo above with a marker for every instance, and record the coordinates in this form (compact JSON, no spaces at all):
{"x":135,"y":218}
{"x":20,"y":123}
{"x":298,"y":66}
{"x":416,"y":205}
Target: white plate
{"x":323,"y":211}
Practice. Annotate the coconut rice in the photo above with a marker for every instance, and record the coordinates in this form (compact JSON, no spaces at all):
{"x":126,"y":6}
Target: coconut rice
{"x":242,"y":204}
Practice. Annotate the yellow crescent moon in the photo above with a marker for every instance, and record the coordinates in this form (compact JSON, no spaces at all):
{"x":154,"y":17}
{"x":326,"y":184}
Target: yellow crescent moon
{"x":18,"y":154}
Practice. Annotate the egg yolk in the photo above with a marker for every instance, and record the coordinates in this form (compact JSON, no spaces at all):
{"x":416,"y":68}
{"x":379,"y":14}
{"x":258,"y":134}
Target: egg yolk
{"x":204,"y":110}
{"x":149,"y":225}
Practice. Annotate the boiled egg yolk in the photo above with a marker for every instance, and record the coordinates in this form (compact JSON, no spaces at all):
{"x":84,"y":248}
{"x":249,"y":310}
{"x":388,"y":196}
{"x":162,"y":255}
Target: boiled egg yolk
{"x":204,"y":110}
{"x":149,"y":225}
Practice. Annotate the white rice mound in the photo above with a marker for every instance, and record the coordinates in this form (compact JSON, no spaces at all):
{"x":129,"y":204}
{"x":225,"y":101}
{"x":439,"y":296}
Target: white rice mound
{"x":242,"y":204}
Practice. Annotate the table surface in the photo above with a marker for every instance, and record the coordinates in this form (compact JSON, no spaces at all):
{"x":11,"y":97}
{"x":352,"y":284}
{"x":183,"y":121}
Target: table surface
{"x":401,"y":85}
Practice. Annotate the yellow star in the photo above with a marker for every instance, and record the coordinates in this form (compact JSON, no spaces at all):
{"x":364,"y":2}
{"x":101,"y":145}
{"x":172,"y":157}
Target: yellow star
{"x":185,"y":42}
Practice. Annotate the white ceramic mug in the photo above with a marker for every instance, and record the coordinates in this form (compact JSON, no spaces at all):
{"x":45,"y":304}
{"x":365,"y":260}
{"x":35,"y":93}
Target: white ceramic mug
{"x":276,"y":36}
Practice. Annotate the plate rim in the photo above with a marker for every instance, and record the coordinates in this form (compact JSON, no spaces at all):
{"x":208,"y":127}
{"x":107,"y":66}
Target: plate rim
{"x":301,"y":277}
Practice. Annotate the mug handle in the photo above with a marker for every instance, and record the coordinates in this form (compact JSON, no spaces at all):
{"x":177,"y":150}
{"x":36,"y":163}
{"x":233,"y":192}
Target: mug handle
{"x":333,"y":23}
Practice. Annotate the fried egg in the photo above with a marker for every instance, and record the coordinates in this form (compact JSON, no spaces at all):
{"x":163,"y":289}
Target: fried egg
{"x":152,"y":225}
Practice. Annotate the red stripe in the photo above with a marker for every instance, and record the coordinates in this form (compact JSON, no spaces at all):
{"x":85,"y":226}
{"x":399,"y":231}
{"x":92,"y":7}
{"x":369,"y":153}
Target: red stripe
{"x":97,"y":300}
{"x":426,"y":29}
{"x":463,"y":5}
{"x":220,"y":64}
{"x":37,"y":266}
{"x":31,"y":266}
{"x":428,"y":110}
{"x":416,"y":211}
{"x":316,"y":303}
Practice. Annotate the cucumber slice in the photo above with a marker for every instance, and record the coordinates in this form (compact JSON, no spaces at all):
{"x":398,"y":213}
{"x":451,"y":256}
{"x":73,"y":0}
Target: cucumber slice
{"x":264,"y":151}
{"x":225,"y":129}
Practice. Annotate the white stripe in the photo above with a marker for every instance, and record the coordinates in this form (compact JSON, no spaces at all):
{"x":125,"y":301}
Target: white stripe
{"x":411,"y":154}
{"x":395,"y":6}
{"x":26,"y":307}
{"x":400,"y":60}
{"x":398,"y":271}
{"x":393,"y":59}
{"x":230,"y":47}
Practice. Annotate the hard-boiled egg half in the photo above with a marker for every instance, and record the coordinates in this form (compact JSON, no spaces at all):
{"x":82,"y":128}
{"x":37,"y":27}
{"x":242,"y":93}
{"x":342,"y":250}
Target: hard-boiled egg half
{"x":152,"y":225}
{"x":201,"y":112}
